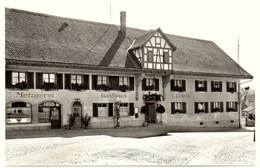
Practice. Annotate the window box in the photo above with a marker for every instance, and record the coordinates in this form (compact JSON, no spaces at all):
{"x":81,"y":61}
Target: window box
{"x":48,"y":85}
{"x":21,"y":85}
{"x":123,"y":88}
{"x":103,"y":87}
{"x":179,"y":89}
{"x":149,"y":87}
{"x":77,"y":87}
{"x":148,"y":97}
{"x":232,"y":90}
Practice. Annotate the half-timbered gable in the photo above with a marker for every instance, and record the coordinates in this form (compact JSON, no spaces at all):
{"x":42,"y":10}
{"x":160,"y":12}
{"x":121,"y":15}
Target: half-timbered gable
{"x":154,"y":50}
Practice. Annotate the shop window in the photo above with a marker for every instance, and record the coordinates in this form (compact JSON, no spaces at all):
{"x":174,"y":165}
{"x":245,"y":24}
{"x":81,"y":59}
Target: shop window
{"x":216,"y":107}
{"x":201,"y":86}
{"x":19,"y":80}
{"x":231,"y":87}
{"x":124,"y":109}
{"x":216,"y":86}
{"x":201,"y":107}
{"x":45,"y":109}
{"x":102,"y":110}
{"x":150,"y":84}
{"x":231,"y":106}
{"x":18,"y":113}
{"x":178,"y":107}
{"x":178,"y":85}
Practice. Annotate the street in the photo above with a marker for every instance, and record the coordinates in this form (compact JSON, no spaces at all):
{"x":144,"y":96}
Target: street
{"x":218,"y":148}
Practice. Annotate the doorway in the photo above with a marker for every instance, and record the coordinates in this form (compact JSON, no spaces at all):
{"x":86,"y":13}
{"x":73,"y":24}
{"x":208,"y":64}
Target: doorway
{"x":151,"y":115}
{"x":77,"y":112}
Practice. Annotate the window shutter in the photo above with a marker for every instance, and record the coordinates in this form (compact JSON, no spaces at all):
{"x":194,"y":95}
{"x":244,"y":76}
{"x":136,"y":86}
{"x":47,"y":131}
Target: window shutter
{"x":227,"y":107}
{"x":30,"y":80}
{"x":220,"y":86}
{"x":205,"y":86}
{"x":196,"y":107}
{"x":221,"y":106}
{"x":196,"y":85}
{"x":211,"y":107}
{"x":86,"y":82}
{"x":184,"y":107}
{"x":114,"y":82}
{"x":8,"y":79}
{"x":236,"y":106}
{"x":184,"y":85}
{"x":173,"y":108}
{"x":143,"y":84}
{"x":172,"y":85}
{"x":212,"y":86}
{"x":131,"y":109}
{"x":95,"y":110}
{"x":206,"y":107}
{"x":67,"y":81}
{"x":94,"y":82}
{"x":59,"y":81}
{"x":131,"y":83}
{"x":156,"y":88}
{"x":227,"y":86}
{"x":110,"y":109}
{"x":235,"y":86}
{"x":38,"y":80}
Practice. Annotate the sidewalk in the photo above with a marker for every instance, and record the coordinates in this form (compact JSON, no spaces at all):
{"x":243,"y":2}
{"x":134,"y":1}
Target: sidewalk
{"x":131,"y":132}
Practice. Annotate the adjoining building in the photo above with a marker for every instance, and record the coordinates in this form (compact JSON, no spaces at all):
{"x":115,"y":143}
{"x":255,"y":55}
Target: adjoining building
{"x":58,"y":66}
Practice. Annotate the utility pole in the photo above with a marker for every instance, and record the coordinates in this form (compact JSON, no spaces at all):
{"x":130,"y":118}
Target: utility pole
{"x":239,"y":87}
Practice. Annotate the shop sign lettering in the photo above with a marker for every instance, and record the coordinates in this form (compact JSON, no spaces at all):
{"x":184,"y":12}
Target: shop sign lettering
{"x":105,"y":95}
{"x":34,"y":95}
{"x":180,"y":96}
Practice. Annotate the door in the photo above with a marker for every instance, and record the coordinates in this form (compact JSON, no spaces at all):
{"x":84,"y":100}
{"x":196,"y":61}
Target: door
{"x":77,"y":112}
{"x":55,"y":117}
{"x":151,"y":115}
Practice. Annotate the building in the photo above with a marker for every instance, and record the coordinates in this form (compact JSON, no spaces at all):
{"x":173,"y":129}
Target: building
{"x":59,"y":66}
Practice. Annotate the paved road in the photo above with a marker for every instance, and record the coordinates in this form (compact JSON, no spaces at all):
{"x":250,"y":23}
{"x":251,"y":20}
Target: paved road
{"x":226,"y":148}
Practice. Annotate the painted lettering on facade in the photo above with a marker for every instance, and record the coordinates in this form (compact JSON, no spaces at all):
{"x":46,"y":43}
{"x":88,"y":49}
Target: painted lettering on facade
{"x":180,"y":96}
{"x":34,"y":95}
{"x":106,"y":95}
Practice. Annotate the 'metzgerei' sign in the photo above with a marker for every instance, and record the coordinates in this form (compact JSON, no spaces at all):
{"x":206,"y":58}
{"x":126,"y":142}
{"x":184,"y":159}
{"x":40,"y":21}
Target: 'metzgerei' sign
{"x":34,"y":95}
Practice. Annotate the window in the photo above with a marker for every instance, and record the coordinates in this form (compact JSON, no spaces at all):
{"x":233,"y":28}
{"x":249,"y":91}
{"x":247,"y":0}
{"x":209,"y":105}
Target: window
{"x":18,"y":113}
{"x":150,"y":55}
{"x":178,"y":85}
{"x":165,"y":57}
{"x":231,"y":87}
{"x":76,"y":79}
{"x":48,"y":78}
{"x":231,"y":106}
{"x":45,"y":109}
{"x":201,"y":107}
{"x":216,"y":86}
{"x":216,"y":107}
{"x":150,"y":84}
{"x":124,"y":109}
{"x":18,"y":77}
{"x":201,"y":86}
{"x":102,"y":110}
{"x":102,"y":80}
{"x":123,"y":80}
{"x":178,"y":107}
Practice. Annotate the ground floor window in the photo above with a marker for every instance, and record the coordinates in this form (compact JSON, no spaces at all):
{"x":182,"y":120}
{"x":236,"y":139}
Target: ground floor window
{"x":178,"y":107}
{"x":18,"y":113}
{"x":47,"y":111}
{"x":124,"y":109}
{"x":108,"y":109}
{"x":201,"y":107}
{"x":231,"y":106}
{"x":216,"y":107}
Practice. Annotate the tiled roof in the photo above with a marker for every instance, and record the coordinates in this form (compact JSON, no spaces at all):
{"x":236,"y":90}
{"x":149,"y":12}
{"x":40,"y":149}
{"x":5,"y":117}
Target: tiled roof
{"x":39,"y":37}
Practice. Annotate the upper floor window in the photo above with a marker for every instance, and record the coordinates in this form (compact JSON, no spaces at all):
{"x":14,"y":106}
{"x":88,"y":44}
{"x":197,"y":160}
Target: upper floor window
{"x":201,"y":107}
{"x":178,"y":107}
{"x":48,"y":77}
{"x":76,"y":79}
{"x":178,"y":85}
{"x":231,"y":106}
{"x":201,"y":86}
{"x":216,"y":107}
{"x":216,"y":86}
{"x":102,"y":80}
{"x":18,"y":77}
{"x":165,"y":57}
{"x":123,"y":80}
{"x":150,"y":55}
{"x":231,"y":87}
{"x":150,"y":84}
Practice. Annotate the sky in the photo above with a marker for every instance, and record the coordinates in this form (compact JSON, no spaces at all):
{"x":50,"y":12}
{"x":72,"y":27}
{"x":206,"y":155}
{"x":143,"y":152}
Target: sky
{"x":221,"y":21}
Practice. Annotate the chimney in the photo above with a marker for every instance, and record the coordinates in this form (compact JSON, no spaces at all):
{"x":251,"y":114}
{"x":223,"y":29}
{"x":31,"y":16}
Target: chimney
{"x":123,"y":22}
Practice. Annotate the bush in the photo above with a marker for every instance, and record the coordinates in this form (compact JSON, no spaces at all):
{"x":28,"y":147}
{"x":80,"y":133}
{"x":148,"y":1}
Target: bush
{"x":144,"y":110}
{"x":160,"y":109}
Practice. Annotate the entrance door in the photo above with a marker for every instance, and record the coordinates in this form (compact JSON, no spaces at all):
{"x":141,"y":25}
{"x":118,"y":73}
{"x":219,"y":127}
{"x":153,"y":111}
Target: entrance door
{"x":77,"y":110}
{"x":151,"y":116}
{"x":55,"y":117}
